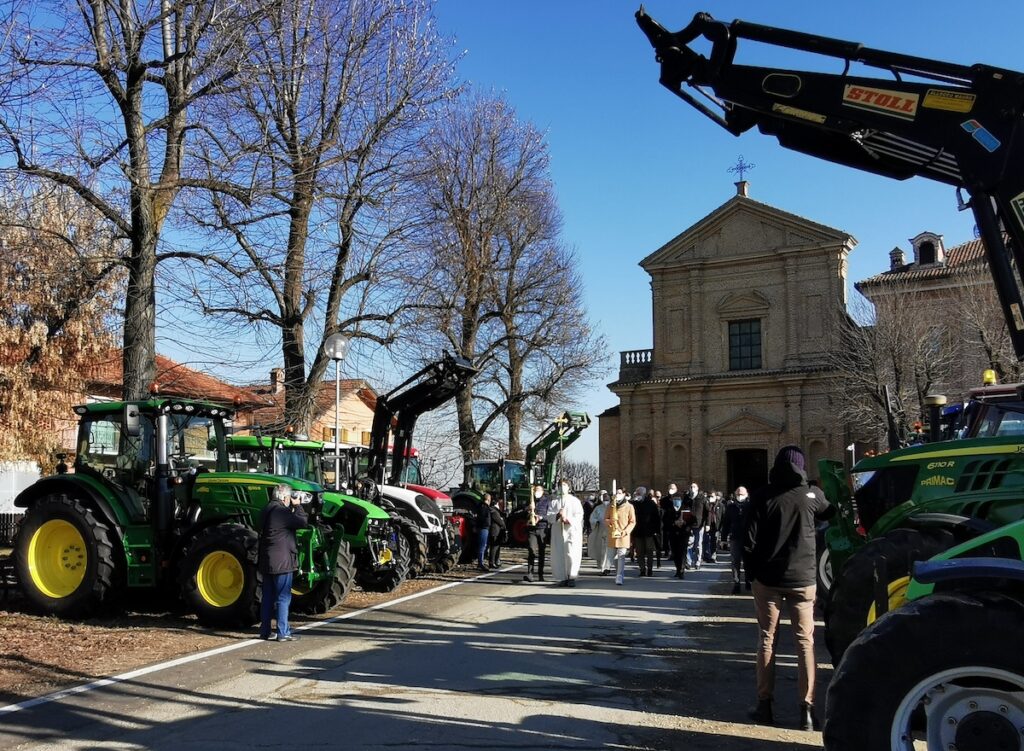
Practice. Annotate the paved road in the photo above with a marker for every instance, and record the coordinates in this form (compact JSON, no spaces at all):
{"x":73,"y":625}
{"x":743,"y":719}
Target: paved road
{"x":493,"y":663}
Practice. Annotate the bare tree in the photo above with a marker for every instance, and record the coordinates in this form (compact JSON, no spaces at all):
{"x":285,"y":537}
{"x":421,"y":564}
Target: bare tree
{"x":581,"y":475}
{"x":889,"y":357}
{"x":97,"y":99}
{"x":502,"y":290}
{"x":984,"y":338}
{"x":63,"y":284}
{"x":325,"y":121}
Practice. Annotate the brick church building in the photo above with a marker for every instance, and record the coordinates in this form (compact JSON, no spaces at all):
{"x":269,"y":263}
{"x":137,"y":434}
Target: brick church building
{"x":744,"y":304}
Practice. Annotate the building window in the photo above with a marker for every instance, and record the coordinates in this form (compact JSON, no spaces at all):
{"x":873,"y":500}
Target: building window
{"x":926,"y":252}
{"x":745,"y":344}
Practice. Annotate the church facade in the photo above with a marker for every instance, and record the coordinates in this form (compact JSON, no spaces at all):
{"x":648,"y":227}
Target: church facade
{"x":744,"y":304}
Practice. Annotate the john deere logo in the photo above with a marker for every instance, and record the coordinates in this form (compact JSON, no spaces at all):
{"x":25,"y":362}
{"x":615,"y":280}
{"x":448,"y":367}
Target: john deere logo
{"x":896,"y":103}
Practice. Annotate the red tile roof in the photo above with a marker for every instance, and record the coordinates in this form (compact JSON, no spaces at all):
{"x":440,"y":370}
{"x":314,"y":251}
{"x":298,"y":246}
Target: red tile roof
{"x":273,"y":414}
{"x":172,"y":379}
{"x":968,"y":256}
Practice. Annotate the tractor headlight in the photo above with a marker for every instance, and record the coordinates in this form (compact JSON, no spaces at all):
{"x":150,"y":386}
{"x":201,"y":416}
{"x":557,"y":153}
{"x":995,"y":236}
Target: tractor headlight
{"x":302,"y":496}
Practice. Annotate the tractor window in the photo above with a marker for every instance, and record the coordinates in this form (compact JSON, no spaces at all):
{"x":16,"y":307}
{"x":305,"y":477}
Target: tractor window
{"x":302,"y":465}
{"x":188,"y":442}
{"x":105,"y":448}
{"x":886,"y":489}
{"x":515,"y":473}
{"x":484,"y":477}
{"x":412,"y":474}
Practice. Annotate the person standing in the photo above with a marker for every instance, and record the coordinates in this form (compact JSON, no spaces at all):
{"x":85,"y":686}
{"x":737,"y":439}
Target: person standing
{"x":779,"y":554}
{"x":278,"y":559}
{"x":483,"y":530}
{"x":695,"y":505}
{"x":597,"y":543}
{"x":666,"y":507}
{"x":621,"y":520}
{"x":712,"y":518}
{"x":732,"y":530}
{"x":676,"y":529}
{"x":565,"y":515}
{"x":538,"y":533}
{"x":648,"y":525}
{"x":588,"y":509}
{"x":495,"y":536}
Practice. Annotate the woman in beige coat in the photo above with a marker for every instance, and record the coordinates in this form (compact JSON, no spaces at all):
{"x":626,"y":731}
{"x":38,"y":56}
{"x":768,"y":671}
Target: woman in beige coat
{"x":621,"y":519}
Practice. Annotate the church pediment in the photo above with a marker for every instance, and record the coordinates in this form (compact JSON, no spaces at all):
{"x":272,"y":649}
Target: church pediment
{"x":743,"y":228}
{"x":748,"y":303}
{"x":746,"y":423}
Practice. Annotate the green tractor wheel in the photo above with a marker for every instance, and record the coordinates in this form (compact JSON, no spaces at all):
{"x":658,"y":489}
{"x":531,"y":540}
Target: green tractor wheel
{"x":219,"y":580}
{"x":328,"y":593}
{"x":418,"y":551}
{"x":66,"y":558}
{"x":942,"y":672}
{"x":851,"y":601}
{"x":387,"y":579}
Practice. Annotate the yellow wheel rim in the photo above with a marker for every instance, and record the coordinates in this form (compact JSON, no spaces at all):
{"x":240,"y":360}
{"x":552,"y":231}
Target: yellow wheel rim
{"x":220,"y":578}
{"x":300,"y":585}
{"x":897,"y":597}
{"x":57,"y":558}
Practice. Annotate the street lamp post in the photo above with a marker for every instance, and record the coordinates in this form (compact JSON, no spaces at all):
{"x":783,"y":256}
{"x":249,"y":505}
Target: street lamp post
{"x":336,"y":347}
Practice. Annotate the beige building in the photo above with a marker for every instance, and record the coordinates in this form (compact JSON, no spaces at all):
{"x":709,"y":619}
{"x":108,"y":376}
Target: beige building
{"x":742,"y":306}
{"x":948,"y":294}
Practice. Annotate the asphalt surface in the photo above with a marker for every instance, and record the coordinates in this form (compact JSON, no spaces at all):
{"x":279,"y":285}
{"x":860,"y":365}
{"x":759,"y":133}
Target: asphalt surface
{"x":493,"y":663}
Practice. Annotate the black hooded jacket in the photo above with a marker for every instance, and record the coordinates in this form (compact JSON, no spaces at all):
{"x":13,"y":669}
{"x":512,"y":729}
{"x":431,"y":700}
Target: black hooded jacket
{"x":779,"y":531}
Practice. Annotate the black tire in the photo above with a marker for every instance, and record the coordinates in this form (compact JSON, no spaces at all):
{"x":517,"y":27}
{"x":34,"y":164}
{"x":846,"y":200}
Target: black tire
{"x":445,"y":563}
{"x":852,"y":597}
{"x":328,"y":593}
{"x":221,"y":604}
{"x":48,"y":555}
{"x":892,"y":661}
{"x":418,"y":551}
{"x":390,"y":578}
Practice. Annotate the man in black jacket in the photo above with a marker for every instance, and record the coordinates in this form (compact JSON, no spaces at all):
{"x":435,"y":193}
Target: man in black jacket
{"x":495,"y":537}
{"x":695,"y":505}
{"x":648,"y":526}
{"x":779,"y":555}
{"x":279,"y":559}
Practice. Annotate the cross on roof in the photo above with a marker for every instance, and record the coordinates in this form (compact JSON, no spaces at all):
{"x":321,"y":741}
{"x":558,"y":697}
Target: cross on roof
{"x":741,"y":167}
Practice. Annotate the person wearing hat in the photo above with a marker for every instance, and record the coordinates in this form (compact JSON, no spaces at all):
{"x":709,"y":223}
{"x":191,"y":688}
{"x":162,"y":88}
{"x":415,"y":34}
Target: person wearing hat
{"x":779,"y":556}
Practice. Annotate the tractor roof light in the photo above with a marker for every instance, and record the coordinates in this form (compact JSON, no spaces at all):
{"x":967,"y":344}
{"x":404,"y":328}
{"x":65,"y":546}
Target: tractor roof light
{"x":81,"y":410}
{"x":988,"y":377}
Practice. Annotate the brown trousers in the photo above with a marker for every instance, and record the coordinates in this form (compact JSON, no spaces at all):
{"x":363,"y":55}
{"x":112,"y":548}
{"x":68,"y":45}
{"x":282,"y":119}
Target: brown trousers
{"x":768,"y":602}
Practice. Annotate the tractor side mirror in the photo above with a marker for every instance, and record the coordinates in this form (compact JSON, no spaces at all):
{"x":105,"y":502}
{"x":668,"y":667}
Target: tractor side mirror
{"x":131,"y":421}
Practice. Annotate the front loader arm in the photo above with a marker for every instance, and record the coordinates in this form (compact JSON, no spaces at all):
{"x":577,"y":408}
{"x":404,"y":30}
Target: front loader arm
{"x":951,"y":123}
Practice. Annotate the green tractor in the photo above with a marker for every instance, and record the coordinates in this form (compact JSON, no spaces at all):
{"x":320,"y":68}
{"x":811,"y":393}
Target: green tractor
{"x":381,"y":553}
{"x":154,"y":502}
{"x":909,"y":505}
{"x":511,"y":481}
{"x":950,"y":656}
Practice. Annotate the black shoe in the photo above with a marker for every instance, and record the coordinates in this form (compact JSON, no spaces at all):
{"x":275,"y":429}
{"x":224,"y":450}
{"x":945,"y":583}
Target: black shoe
{"x":680,"y":575}
{"x":481,"y":567}
{"x":571,"y":583}
{"x":808,"y":719}
{"x":290,"y":637}
{"x":736,"y":588}
{"x":527,"y":578}
{"x":272,"y":637}
{"x":540,"y":577}
{"x":762,"y":713}
{"x":605,"y":572}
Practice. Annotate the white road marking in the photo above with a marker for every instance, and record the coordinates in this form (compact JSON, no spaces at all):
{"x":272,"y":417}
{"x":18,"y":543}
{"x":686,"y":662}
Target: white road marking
{"x":131,"y":675}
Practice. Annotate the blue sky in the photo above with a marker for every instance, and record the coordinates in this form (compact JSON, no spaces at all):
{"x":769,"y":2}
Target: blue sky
{"x":634,"y":165}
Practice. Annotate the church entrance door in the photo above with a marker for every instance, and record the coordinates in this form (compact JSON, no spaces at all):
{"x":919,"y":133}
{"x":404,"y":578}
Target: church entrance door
{"x":746,"y":467}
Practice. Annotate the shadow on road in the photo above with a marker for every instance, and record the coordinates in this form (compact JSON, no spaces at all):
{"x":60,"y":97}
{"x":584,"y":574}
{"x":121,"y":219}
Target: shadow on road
{"x":528,"y":666}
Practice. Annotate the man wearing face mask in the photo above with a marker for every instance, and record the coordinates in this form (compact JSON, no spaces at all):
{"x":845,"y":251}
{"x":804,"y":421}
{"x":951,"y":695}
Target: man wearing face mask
{"x":732,"y":530}
{"x":676,"y":529}
{"x":538,"y":532}
{"x":621,"y":521}
{"x":565,"y":515}
{"x":695,"y":504}
{"x":665,"y":503}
